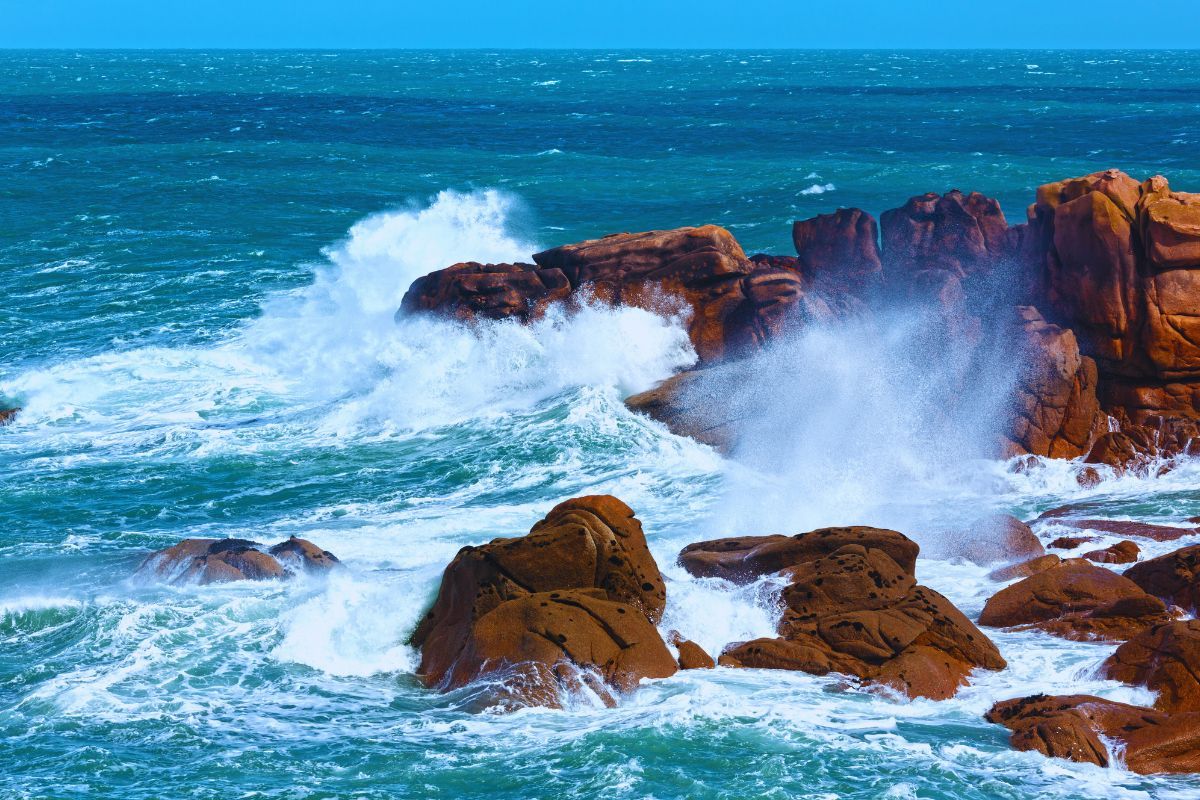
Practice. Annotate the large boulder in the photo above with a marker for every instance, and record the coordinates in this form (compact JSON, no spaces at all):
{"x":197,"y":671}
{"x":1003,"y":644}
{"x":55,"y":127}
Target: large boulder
{"x":1055,"y":409}
{"x":1123,"y":552}
{"x":7,"y":415}
{"x":840,"y":251}
{"x":473,"y":291}
{"x":205,"y":561}
{"x":963,"y":235}
{"x":1077,"y":727}
{"x":1166,"y":659}
{"x":858,"y":612}
{"x":1174,"y":577}
{"x":991,"y":539}
{"x":743,"y":559}
{"x":693,"y":404}
{"x":1077,"y":600}
{"x":586,"y":564}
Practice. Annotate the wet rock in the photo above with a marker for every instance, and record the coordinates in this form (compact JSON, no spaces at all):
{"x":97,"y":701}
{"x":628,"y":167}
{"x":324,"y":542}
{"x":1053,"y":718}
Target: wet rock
{"x":990,"y":539}
{"x":962,"y":234}
{"x":587,"y":564}
{"x":1174,"y":577}
{"x":7,"y":415}
{"x":1071,"y":542}
{"x":840,"y":251}
{"x":858,"y":612}
{"x":205,"y":561}
{"x":1055,"y":409}
{"x":744,"y":559}
{"x":1121,"y":451}
{"x":1165,"y":659}
{"x":691,"y":655}
{"x":692,"y":404}
{"x":1122,"y":527}
{"x":471,"y":291}
{"x":1125,"y":552}
{"x":1076,"y":600}
{"x":1025,"y":568}
{"x":1088,"y":478}
{"x":1075,"y":727}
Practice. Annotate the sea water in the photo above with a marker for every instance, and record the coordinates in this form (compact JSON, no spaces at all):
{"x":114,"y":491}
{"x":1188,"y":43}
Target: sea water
{"x":202,"y":255}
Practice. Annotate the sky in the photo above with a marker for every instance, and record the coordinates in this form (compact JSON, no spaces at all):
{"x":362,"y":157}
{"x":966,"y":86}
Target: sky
{"x":603,"y":23}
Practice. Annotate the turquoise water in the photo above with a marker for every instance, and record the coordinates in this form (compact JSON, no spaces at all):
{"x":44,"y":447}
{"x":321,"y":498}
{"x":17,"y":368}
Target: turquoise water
{"x":201,"y":256}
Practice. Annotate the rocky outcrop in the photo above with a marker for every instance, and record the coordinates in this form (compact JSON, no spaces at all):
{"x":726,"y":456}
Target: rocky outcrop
{"x":1174,"y":577}
{"x":7,"y":415}
{"x":1076,"y":600}
{"x":1024,"y":569}
{"x":691,"y":655}
{"x":1055,"y":409}
{"x":992,"y":539}
{"x":840,"y":251}
{"x":573,"y":603}
{"x":692,"y":404}
{"x":1124,"y":552}
{"x":853,"y":610}
{"x":205,"y":561}
{"x":1076,"y":727}
{"x":473,"y":291}
{"x":1123,"y":527}
{"x":1165,"y":659}
{"x":744,"y":559}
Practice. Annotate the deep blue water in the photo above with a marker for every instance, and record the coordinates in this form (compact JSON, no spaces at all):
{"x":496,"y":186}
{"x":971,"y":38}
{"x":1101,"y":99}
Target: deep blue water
{"x":201,"y":254}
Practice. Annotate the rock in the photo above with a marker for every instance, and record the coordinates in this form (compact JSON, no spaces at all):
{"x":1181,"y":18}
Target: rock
{"x":1025,"y":568}
{"x":1120,"y":451}
{"x":1076,"y":600}
{"x":1071,"y":542}
{"x":999,"y":537}
{"x":857,"y":612}
{"x":1125,"y":552}
{"x":840,"y":250}
{"x":691,"y":655}
{"x":1075,"y":727}
{"x":1165,"y":659}
{"x":693,"y":404}
{"x":471,"y":291}
{"x":587,"y":565}
{"x":7,"y":415}
{"x":746,"y":558}
{"x":1174,"y":577}
{"x":964,"y":235}
{"x":1088,"y":478}
{"x":205,"y":561}
{"x":1055,"y":410}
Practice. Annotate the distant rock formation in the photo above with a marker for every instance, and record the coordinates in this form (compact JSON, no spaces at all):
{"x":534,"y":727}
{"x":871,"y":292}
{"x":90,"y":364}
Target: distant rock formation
{"x":205,"y":561}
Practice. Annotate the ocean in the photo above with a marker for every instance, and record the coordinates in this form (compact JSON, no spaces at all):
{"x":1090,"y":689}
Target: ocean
{"x":202,"y":254}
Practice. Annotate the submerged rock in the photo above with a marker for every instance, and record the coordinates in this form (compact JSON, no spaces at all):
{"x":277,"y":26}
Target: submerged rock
{"x":207,"y":561}
{"x":574,"y":603}
{"x":855,"y":610}
{"x":1166,"y":659}
{"x":1174,"y":577}
{"x":1076,"y":600}
{"x":1076,"y":727}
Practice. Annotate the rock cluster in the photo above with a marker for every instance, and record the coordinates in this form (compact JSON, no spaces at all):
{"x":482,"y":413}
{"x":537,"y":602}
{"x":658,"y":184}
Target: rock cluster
{"x":205,"y":561}
{"x":853,"y":606}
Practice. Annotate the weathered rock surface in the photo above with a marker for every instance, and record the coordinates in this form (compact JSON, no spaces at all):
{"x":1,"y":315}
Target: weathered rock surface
{"x":7,"y":415}
{"x":1174,"y":577}
{"x":991,"y":539}
{"x":1024,"y":569}
{"x":578,"y":596}
{"x":692,"y":404}
{"x":471,"y":291}
{"x":691,"y":655}
{"x":743,"y":559}
{"x":858,"y":612}
{"x":1072,"y":727}
{"x":1166,"y":659}
{"x":1076,"y":600}
{"x":1122,"y":527}
{"x":1125,"y":552}
{"x":207,"y":561}
{"x":840,"y":251}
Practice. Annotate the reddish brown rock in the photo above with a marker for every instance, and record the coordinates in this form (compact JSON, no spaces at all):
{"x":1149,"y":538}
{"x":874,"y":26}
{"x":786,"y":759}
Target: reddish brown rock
{"x":1075,"y":727}
{"x":1088,"y":477}
{"x":692,"y":404}
{"x":7,"y":415}
{"x":1055,"y":410}
{"x":1076,"y":600}
{"x":1174,"y":577}
{"x":1125,"y":552}
{"x":999,"y":537}
{"x":1071,"y":542}
{"x":859,"y":613}
{"x":840,"y":250}
{"x":1025,"y":568}
{"x":1166,"y":659}
{"x":489,"y":291}
{"x":691,"y":655}
{"x":746,"y":558}
{"x":207,"y":561}
{"x":1122,"y":451}
{"x":579,"y":570}
{"x":1122,"y":527}
{"x":963,"y":235}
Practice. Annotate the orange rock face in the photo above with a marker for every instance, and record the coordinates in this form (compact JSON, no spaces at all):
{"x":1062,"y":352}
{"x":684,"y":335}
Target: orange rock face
{"x":1125,"y":552}
{"x":577,"y":597}
{"x":856,"y":611}
{"x":487,"y":291}
{"x":1071,"y":727}
{"x":840,"y":250}
{"x":1076,"y":600}
{"x":1174,"y":577}
{"x":1166,"y":659}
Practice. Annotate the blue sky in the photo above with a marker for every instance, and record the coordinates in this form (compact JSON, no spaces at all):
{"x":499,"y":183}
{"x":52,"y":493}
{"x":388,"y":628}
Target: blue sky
{"x":612,"y":23}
